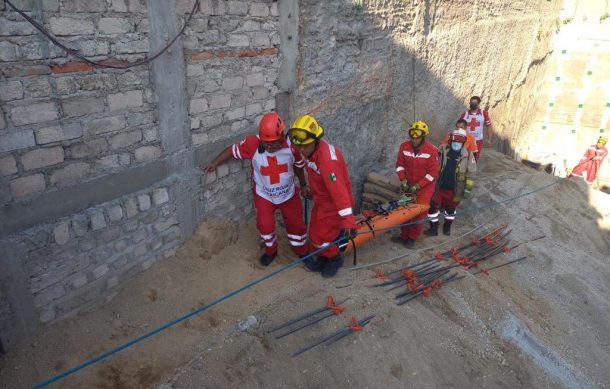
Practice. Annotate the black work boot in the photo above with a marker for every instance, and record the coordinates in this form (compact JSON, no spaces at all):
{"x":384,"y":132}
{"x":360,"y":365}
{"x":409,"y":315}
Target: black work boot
{"x":332,"y":266}
{"x":315,"y":264}
{"x":447,"y":227}
{"x":266,"y":259}
{"x":433,"y":230}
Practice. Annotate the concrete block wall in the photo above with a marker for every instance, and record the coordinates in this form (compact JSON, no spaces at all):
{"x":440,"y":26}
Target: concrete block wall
{"x":63,"y":121}
{"x":71,"y":236}
{"x":99,"y":169}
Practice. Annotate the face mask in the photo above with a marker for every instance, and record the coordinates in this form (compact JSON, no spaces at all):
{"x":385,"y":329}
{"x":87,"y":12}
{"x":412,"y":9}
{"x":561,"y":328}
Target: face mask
{"x":456,"y":146}
{"x":474,"y":106}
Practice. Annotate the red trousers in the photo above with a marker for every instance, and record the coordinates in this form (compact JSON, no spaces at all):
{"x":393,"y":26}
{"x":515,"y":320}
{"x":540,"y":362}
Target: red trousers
{"x":590,"y":167}
{"x":324,"y":228}
{"x":443,"y":199}
{"x":413,"y":231}
{"x":292,"y":214}
{"x":479,"y":148}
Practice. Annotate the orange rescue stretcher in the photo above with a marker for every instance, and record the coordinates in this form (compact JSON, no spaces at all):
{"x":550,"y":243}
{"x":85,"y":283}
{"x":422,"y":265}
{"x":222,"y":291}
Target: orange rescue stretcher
{"x":399,"y":215}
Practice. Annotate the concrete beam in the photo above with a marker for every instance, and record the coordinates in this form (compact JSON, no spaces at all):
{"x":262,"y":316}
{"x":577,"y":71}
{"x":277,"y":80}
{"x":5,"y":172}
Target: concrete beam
{"x":24,"y":322}
{"x":54,"y":205}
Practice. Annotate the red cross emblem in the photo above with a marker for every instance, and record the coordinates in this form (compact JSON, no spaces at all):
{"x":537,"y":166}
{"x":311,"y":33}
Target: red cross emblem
{"x":273,"y":170}
{"x":473,"y":123}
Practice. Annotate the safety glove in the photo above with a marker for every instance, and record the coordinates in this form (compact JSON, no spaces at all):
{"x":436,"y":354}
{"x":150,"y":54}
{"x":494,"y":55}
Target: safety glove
{"x":405,"y":199}
{"x":467,"y":193}
{"x":461,"y":178}
{"x":404,"y":185}
{"x":414,"y":188}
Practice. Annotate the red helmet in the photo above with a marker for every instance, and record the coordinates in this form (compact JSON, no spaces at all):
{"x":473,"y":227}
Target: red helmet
{"x":271,"y":127}
{"x":458,"y":135}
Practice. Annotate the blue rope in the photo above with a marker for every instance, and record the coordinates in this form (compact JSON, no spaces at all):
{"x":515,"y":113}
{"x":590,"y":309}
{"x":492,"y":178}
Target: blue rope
{"x":176,"y":321}
{"x":245,"y":287}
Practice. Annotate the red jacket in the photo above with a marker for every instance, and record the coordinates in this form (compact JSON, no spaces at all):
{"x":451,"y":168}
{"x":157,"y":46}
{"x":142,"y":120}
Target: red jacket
{"x":331,"y":188}
{"x":418,"y":168}
{"x":595,"y":154}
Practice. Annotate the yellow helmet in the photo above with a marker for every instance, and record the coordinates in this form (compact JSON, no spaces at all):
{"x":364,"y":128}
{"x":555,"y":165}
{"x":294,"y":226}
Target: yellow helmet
{"x":602,"y":139}
{"x":305,"y":130}
{"x":418,"y":129}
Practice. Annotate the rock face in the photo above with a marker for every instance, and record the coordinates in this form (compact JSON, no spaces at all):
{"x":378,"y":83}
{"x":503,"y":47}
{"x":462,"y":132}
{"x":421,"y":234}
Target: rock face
{"x":367,"y":71}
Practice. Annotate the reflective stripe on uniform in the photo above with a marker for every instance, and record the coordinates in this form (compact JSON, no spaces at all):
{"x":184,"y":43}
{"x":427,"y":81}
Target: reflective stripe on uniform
{"x":429,"y":177}
{"x":449,"y":215}
{"x":271,"y":243}
{"x":345,"y":212}
{"x":433,"y":216}
{"x":236,"y":152}
{"x":267,"y":237}
{"x":410,"y":154}
{"x":400,"y":169}
{"x":295,"y":243}
{"x":333,"y":153}
{"x":297,"y":237}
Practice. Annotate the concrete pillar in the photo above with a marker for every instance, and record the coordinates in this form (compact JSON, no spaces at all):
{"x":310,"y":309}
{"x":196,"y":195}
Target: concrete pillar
{"x":23,"y":321}
{"x":289,"y":50}
{"x":169,"y":77}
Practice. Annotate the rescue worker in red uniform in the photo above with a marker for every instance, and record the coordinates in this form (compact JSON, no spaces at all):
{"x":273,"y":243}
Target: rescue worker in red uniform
{"x":417,"y":167}
{"x":479,"y":124}
{"x":455,"y":179}
{"x":331,"y":190}
{"x":590,"y":162}
{"x":274,"y":165}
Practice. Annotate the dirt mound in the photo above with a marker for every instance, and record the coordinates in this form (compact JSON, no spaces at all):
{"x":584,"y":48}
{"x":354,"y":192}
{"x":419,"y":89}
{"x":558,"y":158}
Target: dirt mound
{"x":543,"y":322}
{"x":210,"y":238}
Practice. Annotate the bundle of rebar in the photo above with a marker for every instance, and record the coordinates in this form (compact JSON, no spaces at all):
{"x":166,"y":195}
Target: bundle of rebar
{"x":310,"y":318}
{"x":354,"y":325}
{"x":421,"y":278}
